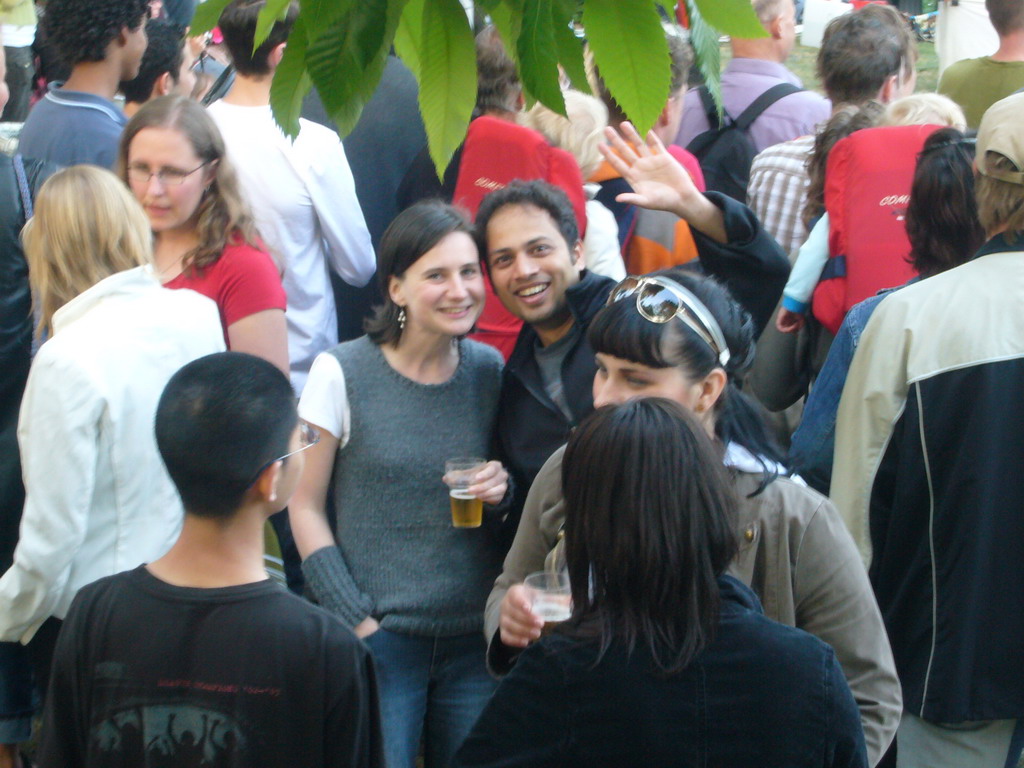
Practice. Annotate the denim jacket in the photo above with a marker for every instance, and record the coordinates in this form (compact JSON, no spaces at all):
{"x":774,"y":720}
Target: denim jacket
{"x":810,"y":453}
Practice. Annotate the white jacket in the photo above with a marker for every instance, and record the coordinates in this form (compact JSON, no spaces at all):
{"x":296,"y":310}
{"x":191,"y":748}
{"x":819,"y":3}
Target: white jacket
{"x":98,"y":498}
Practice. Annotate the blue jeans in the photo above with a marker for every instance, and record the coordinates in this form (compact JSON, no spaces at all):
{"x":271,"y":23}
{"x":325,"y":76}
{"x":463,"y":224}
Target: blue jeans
{"x":441,"y":683}
{"x":17,"y":699}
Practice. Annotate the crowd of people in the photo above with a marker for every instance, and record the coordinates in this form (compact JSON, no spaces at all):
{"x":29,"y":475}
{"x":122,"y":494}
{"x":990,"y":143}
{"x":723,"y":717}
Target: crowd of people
{"x":738,"y":395}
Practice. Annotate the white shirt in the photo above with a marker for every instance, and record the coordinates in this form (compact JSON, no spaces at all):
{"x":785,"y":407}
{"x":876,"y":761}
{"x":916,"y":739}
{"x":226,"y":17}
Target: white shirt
{"x":98,"y":498}
{"x":601,"y":251}
{"x":304,"y":200}
{"x":324,"y":401}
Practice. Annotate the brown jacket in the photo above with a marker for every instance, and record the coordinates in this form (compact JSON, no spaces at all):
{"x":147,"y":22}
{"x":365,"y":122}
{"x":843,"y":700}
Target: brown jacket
{"x":795,"y":553}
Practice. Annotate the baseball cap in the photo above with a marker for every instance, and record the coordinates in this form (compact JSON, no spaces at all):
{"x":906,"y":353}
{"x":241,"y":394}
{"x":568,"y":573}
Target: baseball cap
{"x":1002,"y":131}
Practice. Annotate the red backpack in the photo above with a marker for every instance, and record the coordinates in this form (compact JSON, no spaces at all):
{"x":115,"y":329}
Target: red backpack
{"x":495,"y":153}
{"x":867,"y":189}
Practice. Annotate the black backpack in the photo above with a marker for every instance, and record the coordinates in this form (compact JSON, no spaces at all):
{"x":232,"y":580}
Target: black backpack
{"x":726,"y":152}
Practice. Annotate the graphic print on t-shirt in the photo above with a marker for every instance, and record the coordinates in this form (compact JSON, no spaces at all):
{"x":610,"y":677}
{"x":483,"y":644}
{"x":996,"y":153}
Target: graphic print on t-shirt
{"x":182,"y":736}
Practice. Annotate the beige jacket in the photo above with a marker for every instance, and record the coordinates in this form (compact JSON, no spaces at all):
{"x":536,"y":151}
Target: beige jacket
{"x":795,"y":553}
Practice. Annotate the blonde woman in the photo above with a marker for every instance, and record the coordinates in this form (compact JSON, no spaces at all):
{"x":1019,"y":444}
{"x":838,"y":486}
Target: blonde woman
{"x":580,"y":134}
{"x":98,"y":499}
{"x":172,"y":158}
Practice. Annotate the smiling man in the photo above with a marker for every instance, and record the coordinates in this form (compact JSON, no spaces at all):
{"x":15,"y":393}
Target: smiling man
{"x":529,"y":238}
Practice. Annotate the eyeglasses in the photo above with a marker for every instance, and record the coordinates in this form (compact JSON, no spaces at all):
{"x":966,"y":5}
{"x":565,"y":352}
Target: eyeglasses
{"x":169,"y":177}
{"x":659,"y":299}
{"x":308,"y":437}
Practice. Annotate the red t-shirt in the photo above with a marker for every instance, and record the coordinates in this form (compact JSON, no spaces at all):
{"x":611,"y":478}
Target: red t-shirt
{"x":243,"y":281}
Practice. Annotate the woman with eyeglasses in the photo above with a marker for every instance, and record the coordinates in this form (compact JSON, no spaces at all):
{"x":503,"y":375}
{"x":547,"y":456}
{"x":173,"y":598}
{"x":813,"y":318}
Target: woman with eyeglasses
{"x":392,"y":407}
{"x":98,"y":498}
{"x":680,"y":335}
{"x":666,"y":660}
{"x":172,"y":158}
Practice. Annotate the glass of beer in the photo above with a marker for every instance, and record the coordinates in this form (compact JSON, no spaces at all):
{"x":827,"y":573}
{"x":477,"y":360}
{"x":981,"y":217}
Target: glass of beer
{"x":467,"y":509}
{"x":550,"y":596}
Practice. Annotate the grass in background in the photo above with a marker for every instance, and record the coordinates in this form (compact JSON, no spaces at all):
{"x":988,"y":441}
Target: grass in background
{"x":803,"y":61}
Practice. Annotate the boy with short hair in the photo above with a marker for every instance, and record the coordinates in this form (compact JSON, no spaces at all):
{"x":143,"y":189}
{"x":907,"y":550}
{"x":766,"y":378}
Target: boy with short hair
{"x":166,"y":67}
{"x":77,"y":121}
{"x":198,"y":657}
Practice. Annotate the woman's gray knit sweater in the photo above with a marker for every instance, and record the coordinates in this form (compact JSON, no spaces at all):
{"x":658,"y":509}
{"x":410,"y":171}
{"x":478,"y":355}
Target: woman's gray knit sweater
{"x":398,"y":557}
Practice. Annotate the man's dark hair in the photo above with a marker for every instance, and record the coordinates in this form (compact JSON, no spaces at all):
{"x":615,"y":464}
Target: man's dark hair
{"x":537,"y":193}
{"x":238,"y":25}
{"x":1007,"y":16}
{"x":220,"y":420}
{"x":648,"y":529}
{"x":82,"y":29}
{"x":862,"y":49}
{"x":163,"y":54}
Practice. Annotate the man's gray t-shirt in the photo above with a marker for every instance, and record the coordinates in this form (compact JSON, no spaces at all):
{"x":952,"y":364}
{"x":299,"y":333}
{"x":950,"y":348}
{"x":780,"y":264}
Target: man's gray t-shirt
{"x":549,"y":361}
{"x":72,"y":127}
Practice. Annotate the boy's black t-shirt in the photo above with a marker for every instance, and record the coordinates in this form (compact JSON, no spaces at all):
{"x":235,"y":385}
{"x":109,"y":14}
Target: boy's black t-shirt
{"x":149,"y":674}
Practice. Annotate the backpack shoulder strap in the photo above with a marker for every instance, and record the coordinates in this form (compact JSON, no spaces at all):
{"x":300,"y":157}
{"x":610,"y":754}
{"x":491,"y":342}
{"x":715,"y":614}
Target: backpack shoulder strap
{"x":22,"y":177}
{"x":762,"y":102}
{"x":710,"y":108}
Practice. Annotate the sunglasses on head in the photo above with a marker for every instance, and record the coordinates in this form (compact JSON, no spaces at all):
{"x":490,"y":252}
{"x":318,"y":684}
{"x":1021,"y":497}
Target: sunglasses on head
{"x":659,"y":299}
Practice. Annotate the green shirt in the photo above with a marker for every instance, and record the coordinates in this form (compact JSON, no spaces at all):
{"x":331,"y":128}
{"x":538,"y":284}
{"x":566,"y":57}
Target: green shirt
{"x":977,"y":84}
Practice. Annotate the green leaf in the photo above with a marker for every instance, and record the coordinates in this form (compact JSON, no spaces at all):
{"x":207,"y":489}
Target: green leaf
{"x":569,"y":47}
{"x":207,"y":15}
{"x":291,"y":81}
{"x":272,"y":12}
{"x":409,"y":36}
{"x":731,"y":17}
{"x":508,"y":18}
{"x":538,"y":64}
{"x":346,"y":60}
{"x":630,"y":50}
{"x":447,"y":78}
{"x":706,"y":51}
{"x":321,"y":14}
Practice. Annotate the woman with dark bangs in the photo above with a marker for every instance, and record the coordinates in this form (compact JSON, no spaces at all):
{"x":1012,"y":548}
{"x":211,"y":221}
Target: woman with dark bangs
{"x":660,"y":639}
{"x":679,"y":335}
{"x":794,"y":550}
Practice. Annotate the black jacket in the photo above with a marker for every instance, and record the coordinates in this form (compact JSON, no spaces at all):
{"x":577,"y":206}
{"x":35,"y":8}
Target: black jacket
{"x":761,"y":694}
{"x":751,"y":265}
{"x":15,"y":343}
{"x":530,"y":426}
{"x":929,"y":450}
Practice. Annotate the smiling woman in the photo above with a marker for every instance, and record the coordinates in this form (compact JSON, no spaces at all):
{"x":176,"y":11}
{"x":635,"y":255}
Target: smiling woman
{"x":391,"y":407}
{"x":172,"y":157}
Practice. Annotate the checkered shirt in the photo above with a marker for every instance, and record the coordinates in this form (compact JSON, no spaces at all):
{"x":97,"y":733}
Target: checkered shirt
{"x":778,"y":189}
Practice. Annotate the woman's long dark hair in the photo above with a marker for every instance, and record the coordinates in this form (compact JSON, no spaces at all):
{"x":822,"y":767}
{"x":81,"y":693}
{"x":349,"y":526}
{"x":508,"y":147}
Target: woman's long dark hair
{"x":648,"y":529}
{"x":621,"y":331}
{"x":942,"y":217}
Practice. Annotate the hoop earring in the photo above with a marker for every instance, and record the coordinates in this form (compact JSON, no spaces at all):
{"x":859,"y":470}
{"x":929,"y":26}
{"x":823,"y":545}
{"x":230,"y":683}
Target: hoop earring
{"x":401,"y":318}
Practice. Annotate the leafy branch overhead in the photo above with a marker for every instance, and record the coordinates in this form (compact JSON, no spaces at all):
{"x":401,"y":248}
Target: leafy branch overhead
{"x":341,"y":47}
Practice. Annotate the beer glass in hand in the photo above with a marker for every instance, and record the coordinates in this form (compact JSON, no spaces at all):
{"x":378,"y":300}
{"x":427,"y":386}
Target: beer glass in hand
{"x":467,"y":509}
